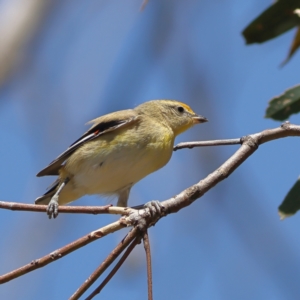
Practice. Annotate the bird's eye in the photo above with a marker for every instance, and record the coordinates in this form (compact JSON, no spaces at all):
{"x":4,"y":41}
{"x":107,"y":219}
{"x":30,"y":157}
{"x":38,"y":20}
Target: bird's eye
{"x":180,"y":109}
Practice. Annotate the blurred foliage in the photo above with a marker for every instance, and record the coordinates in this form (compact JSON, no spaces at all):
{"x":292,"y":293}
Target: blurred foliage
{"x":291,"y":203}
{"x":275,"y":20}
{"x":281,"y":107}
{"x":280,"y":17}
{"x":294,"y":47}
{"x":19,"y":22}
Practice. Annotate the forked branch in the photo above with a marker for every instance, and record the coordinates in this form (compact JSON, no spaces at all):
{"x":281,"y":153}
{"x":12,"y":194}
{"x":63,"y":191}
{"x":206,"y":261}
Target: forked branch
{"x":136,"y":241}
{"x":61,"y":252}
{"x":106,"y":263}
{"x":142,"y":219}
{"x":149,"y":264}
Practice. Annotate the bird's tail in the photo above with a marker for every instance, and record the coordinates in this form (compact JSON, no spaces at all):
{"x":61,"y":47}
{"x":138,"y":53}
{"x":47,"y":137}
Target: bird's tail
{"x":45,"y":199}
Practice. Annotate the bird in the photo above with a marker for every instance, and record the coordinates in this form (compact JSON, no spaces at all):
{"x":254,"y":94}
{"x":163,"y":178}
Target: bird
{"x":118,"y":150}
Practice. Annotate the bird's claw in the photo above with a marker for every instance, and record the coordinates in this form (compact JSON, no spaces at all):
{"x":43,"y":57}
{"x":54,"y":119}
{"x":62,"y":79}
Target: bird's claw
{"x":156,"y":210}
{"x":52,"y":209}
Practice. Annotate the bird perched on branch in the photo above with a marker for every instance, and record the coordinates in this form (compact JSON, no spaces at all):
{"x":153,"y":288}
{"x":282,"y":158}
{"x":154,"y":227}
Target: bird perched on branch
{"x":118,"y":150}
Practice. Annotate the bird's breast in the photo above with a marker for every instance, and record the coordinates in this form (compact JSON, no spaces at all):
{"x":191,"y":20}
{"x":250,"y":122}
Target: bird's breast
{"x":102,"y":167}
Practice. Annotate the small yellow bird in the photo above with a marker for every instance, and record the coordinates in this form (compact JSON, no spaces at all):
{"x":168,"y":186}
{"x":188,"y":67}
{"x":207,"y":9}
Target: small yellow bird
{"x":118,"y":150}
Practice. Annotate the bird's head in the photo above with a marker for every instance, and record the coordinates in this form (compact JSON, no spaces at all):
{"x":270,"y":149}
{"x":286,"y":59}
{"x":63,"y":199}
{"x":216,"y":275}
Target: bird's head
{"x":177,"y":115}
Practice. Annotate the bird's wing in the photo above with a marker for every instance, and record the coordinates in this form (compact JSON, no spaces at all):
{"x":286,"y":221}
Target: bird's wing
{"x":101,"y":126}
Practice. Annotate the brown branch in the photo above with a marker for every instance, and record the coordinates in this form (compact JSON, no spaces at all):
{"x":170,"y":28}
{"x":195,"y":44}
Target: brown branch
{"x":249,"y":145}
{"x":149,"y":265}
{"x":143,"y":217}
{"x":107,"y":209}
{"x":106,"y":263}
{"x":191,"y":145}
{"x":61,"y":252}
{"x":144,"y":5}
{"x":273,"y":134}
{"x":115,"y":269}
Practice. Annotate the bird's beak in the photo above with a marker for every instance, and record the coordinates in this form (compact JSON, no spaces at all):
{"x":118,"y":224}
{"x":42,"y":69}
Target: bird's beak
{"x":199,"y":119}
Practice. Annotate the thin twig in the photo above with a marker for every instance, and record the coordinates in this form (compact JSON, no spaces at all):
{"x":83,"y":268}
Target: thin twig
{"x":249,"y":145}
{"x":149,"y":265}
{"x":61,"y":252}
{"x":191,"y":145}
{"x":136,"y":241}
{"x":142,"y":218}
{"x":107,"y":209}
{"x":143,"y":5}
{"x":106,"y":263}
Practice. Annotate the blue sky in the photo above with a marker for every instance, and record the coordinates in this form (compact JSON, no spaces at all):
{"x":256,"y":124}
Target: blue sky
{"x":93,"y":57}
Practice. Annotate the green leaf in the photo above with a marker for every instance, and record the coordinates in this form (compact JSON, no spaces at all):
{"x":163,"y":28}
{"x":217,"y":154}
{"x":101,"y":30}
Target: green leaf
{"x":277,"y":19}
{"x":281,"y":107}
{"x":294,"y":47}
{"x":291,"y":202}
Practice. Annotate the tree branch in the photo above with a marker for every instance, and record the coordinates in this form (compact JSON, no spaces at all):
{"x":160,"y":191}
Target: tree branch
{"x":143,"y":5}
{"x":115,"y":269}
{"x":107,"y":209}
{"x":270,"y":134}
{"x":191,"y":145}
{"x":149,"y":265}
{"x":61,"y":252}
{"x":249,"y":145}
{"x":106,"y":263}
{"x":143,"y":218}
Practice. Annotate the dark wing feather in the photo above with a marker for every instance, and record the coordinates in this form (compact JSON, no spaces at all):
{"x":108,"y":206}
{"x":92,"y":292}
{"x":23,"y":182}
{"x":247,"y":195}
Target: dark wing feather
{"x":45,"y":199}
{"x":101,"y":126}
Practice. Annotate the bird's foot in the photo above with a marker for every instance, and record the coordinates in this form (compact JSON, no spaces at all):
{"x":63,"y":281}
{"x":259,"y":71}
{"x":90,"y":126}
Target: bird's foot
{"x":150,"y":213}
{"x":52,"y":209}
{"x":156,"y":210}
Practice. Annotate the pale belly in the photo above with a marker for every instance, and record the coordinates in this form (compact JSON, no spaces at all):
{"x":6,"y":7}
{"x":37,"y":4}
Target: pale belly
{"x":109,"y":172}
